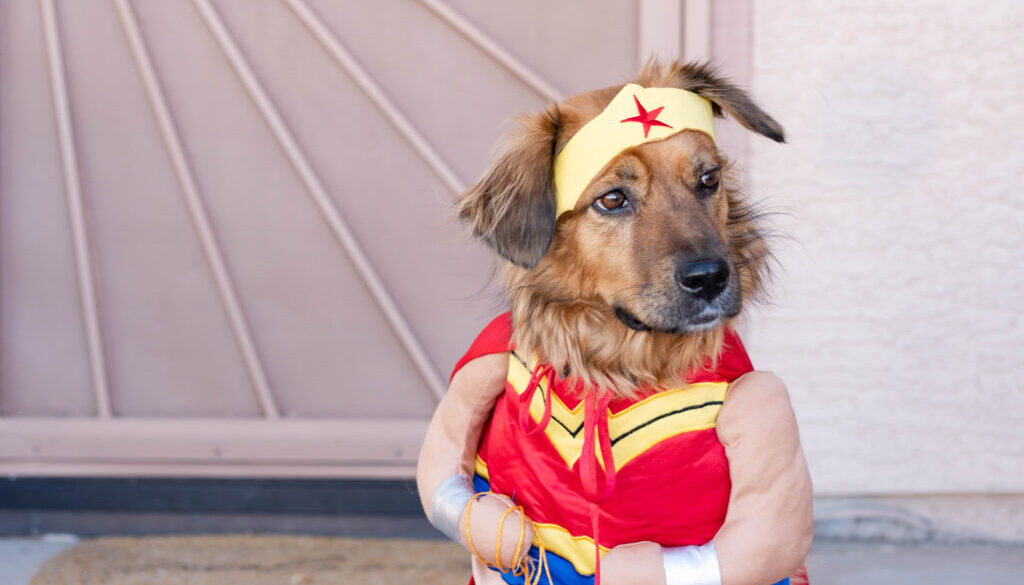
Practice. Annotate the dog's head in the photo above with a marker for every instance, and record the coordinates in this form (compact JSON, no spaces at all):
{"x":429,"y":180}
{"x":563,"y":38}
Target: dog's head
{"x":658,"y":243}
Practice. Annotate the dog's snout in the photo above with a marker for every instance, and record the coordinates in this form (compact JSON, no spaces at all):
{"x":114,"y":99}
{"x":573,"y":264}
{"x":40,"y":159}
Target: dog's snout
{"x":704,"y":278}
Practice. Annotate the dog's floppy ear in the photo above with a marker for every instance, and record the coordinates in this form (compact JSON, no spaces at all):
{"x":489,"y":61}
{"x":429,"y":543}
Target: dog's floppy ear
{"x":513,"y":207}
{"x":703,"y":80}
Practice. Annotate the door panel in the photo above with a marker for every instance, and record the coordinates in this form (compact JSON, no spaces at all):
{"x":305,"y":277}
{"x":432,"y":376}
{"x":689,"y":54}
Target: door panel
{"x":226,"y":225}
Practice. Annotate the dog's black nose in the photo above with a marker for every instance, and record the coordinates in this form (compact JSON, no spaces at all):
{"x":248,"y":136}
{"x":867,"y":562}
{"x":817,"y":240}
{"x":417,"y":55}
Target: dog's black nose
{"x":704,"y":278}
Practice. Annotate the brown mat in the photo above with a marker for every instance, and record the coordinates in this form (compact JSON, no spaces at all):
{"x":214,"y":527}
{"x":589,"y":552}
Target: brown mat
{"x":256,"y":560}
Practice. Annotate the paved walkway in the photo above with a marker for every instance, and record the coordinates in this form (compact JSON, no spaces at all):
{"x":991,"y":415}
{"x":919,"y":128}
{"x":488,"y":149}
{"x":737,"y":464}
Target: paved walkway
{"x":916,"y":564}
{"x":830,"y":563}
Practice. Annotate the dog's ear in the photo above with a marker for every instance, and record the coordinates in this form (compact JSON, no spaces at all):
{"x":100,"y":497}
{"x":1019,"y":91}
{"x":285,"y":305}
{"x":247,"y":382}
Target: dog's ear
{"x":513,"y":207}
{"x":703,"y":80}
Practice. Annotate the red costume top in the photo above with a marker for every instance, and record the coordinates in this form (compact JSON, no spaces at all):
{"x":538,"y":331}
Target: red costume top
{"x":648,"y":469}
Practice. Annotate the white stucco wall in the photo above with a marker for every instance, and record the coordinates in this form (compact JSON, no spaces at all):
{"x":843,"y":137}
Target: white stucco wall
{"x":897,"y":315}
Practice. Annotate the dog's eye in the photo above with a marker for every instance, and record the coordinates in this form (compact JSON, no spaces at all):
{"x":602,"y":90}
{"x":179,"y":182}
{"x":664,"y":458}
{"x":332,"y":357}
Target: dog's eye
{"x":612,"y":201}
{"x":708,"y":182}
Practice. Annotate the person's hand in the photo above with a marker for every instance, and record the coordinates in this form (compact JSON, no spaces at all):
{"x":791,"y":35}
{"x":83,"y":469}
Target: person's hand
{"x":637,"y":563}
{"x":484,"y":516}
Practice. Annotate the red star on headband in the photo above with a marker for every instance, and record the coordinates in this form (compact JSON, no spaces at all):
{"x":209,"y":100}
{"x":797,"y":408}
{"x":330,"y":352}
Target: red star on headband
{"x":646,"y":118}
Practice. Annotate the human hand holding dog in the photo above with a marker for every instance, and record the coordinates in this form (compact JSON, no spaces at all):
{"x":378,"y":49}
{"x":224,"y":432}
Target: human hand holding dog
{"x":636,"y":563}
{"x":484,"y":520}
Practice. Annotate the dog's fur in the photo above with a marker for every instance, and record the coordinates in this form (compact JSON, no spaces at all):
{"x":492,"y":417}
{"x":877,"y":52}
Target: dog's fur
{"x":597,"y":295}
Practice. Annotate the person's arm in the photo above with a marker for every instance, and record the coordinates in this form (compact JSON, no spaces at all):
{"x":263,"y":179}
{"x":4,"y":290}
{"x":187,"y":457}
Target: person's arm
{"x":769,"y":524}
{"x":768,"y":527}
{"x":448,"y":458}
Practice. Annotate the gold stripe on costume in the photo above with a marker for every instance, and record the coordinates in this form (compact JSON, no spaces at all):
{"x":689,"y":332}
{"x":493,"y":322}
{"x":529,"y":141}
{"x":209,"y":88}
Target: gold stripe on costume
{"x":564,"y":439}
{"x":481,"y":468}
{"x":663,"y":415}
{"x":578,"y":550}
{"x":634,"y":430}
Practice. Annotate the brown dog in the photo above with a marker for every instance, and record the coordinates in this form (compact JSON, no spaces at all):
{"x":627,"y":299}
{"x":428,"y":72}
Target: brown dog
{"x":633,"y":286}
{"x":621,"y":302}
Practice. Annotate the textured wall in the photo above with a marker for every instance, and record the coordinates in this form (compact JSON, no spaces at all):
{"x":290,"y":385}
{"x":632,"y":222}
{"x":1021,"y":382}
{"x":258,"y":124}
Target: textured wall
{"x":897,"y":312}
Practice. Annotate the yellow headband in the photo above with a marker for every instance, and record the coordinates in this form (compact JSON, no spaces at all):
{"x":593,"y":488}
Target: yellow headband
{"x":636,"y":115}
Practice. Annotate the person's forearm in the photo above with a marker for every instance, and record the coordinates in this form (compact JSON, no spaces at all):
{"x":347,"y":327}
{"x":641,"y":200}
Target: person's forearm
{"x":450,"y":445}
{"x":769,"y":524}
{"x":445,"y":470}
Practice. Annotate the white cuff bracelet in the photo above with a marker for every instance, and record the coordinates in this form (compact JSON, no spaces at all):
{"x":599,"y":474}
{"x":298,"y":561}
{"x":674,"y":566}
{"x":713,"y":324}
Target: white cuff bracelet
{"x":691,"y":565}
{"x":448,"y":503}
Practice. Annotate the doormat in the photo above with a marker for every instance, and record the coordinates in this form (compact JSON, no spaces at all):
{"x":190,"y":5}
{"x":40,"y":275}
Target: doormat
{"x":256,"y":560}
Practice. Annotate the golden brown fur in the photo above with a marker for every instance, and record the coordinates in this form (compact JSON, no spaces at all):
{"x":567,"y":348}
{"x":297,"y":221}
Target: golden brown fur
{"x":568,"y":280}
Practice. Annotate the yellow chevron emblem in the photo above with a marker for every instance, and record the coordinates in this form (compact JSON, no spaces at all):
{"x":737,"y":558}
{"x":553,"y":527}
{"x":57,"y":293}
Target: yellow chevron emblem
{"x":634,"y":430}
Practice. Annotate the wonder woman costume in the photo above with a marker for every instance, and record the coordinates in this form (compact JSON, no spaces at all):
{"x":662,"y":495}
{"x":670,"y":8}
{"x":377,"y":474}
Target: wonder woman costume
{"x":595,"y":473}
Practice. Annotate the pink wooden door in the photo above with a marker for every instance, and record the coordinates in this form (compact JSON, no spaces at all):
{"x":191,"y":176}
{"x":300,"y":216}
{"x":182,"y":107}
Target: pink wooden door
{"x":226,"y":244}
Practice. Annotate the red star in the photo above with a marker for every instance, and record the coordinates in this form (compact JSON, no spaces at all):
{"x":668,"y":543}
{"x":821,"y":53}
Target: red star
{"x":646,"y":118}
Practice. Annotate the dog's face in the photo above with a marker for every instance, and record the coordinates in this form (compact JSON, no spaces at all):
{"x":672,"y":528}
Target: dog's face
{"x":649,"y":235}
{"x":659,"y":240}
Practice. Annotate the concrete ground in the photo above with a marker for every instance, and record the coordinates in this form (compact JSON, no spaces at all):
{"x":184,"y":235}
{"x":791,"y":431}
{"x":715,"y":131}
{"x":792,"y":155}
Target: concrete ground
{"x":831,"y":563}
{"x":20,"y":557}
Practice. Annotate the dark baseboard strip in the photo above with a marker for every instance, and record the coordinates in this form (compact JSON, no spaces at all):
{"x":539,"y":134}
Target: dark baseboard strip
{"x":389,"y":498}
{"x":85,"y":524}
